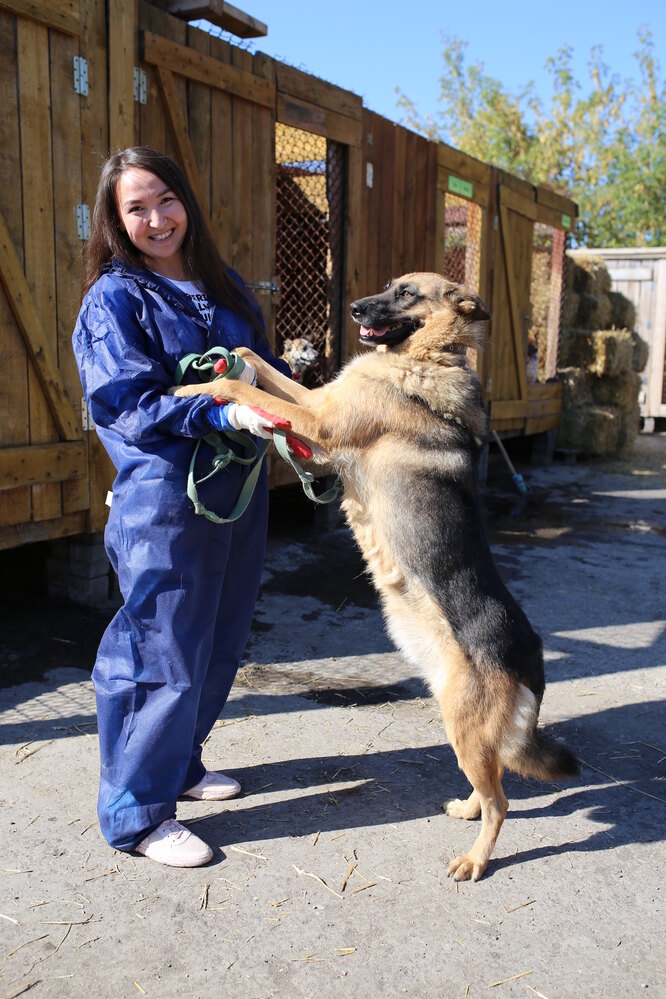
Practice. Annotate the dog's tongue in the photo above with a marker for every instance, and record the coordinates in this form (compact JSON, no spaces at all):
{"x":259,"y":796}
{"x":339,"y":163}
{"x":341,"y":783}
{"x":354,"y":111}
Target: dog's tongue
{"x":371,"y":331}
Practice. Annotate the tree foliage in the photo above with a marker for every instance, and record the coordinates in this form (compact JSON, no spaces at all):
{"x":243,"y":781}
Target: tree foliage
{"x":605,"y":148}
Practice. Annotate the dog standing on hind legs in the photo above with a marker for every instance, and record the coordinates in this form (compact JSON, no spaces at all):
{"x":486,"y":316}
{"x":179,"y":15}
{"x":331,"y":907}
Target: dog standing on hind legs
{"x":404,"y":426}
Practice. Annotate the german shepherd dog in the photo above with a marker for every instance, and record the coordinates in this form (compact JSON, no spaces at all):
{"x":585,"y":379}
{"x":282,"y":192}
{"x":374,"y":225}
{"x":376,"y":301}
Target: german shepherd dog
{"x":404,"y":425}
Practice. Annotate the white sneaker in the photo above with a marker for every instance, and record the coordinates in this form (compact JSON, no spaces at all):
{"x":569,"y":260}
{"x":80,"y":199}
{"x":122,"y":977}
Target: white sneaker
{"x":174,"y":845}
{"x":214,"y":786}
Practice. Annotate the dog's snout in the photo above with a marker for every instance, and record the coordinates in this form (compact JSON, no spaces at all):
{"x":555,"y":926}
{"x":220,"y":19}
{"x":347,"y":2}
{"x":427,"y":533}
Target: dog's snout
{"x":355,"y":309}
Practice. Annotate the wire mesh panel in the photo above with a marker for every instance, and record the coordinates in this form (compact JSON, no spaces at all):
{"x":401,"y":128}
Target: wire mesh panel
{"x":462,"y":241}
{"x":309,"y":252}
{"x":546,"y":291}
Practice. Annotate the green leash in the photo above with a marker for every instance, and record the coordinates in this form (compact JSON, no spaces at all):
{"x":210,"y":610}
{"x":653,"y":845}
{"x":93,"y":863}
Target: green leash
{"x":204,"y":366}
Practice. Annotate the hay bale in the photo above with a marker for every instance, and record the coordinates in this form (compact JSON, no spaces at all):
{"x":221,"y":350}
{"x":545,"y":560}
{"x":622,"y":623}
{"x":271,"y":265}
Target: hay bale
{"x":576,"y":388}
{"x":620,"y":391}
{"x":612,"y":353}
{"x":599,"y":317}
{"x":629,"y":430}
{"x":592,"y":276}
{"x":623,"y":311}
{"x":639,"y":356}
{"x":601,"y":352}
{"x":569,"y":308}
{"x":594,"y":430}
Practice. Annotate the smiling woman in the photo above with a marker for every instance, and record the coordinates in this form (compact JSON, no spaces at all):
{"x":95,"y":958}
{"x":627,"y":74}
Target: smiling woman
{"x":155,"y":290}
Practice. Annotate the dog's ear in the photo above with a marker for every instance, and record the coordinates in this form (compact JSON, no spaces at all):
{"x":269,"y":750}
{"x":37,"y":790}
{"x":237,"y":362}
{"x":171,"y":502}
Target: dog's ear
{"x":470,"y":306}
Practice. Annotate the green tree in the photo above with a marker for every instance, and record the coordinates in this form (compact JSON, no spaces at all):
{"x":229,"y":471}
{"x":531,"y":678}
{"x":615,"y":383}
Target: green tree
{"x":605,"y":148}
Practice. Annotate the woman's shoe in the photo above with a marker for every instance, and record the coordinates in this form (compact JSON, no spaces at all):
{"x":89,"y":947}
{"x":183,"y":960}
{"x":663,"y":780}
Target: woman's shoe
{"x":174,"y":845}
{"x":214,"y":786}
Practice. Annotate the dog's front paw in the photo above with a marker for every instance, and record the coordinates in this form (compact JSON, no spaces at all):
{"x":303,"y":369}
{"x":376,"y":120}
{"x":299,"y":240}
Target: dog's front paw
{"x":458,"y":809}
{"x":465,"y":868}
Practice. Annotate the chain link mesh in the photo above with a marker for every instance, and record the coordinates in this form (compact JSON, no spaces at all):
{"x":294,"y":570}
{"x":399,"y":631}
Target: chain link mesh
{"x":462,"y":241}
{"x":309,"y":252}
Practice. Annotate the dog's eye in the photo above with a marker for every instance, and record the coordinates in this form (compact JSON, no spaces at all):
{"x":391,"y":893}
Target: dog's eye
{"x":405,"y":293}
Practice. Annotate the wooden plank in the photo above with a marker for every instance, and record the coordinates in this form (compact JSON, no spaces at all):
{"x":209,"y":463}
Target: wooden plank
{"x":397,"y":241}
{"x":412,"y":182}
{"x":385,"y":222}
{"x":264,"y":185}
{"x":445,"y":179}
{"x":550,"y":216}
{"x":517,"y":185}
{"x":152,"y":119}
{"x":430,"y":242}
{"x":558,"y":202}
{"x":509,"y":409}
{"x":178,"y":126}
{"x":122,"y":59}
{"x":67,"y":193}
{"x":224,"y":15}
{"x":242,"y":172}
{"x":40,"y":351}
{"x":353,"y":232}
{"x":466,"y":167}
{"x":94,"y":148}
{"x":14,"y":426}
{"x":198,"y":116}
{"x":544,"y":390}
{"x":63,"y":15}
{"x":543,"y":407}
{"x":518,"y":203}
{"x":312,"y":90}
{"x":186,"y":62}
{"x":516,"y":327}
{"x":27,"y":466}
{"x":222,"y":160}
{"x":35,"y":106}
{"x":46,"y":530}
{"x":539,"y":424}
{"x":313,"y":118}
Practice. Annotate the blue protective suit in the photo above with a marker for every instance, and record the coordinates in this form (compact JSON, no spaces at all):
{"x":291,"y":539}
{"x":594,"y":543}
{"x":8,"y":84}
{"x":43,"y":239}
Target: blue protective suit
{"x":168,"y":658}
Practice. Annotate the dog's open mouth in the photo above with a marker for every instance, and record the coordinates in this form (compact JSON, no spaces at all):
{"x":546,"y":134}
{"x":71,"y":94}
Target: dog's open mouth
{"x":387,"y":334}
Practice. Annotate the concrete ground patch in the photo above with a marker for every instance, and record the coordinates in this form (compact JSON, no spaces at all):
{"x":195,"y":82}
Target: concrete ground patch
{"x":330,"y":871}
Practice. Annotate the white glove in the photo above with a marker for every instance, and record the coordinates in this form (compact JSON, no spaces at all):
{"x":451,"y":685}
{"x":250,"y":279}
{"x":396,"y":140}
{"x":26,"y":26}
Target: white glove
{"x":257,"y":421}
{"x":248,"y":375}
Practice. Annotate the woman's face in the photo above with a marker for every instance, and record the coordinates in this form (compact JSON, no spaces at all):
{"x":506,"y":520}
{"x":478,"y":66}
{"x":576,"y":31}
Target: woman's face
{"x":154,"y":219}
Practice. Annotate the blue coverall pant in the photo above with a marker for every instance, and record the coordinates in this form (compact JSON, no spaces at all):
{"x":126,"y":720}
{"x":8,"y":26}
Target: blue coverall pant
{"x":168,"y":658}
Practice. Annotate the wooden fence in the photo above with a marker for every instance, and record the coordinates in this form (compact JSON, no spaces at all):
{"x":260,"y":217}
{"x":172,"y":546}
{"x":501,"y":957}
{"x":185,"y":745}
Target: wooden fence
{"x":81,"y":77}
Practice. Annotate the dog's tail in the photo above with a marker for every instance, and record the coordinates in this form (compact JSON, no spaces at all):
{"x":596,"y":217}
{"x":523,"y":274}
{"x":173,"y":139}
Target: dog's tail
{"x":544,"y":758}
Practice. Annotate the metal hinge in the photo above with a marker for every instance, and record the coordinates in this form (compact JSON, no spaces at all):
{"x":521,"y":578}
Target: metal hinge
{"x":83,"y":221}
{"x":80,"y":76}
{"x":140,"y":86}
{"x":86,"y":418}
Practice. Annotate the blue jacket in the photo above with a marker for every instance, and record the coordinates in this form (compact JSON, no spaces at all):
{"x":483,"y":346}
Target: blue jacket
{"x":133,"y":328}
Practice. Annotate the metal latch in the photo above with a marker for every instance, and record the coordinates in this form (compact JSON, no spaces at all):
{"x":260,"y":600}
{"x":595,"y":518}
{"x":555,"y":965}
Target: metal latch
{"x":270,"y":286}
{"x":80,"y":76}
{"x":140,"y":86}
{"x":83,"y":221}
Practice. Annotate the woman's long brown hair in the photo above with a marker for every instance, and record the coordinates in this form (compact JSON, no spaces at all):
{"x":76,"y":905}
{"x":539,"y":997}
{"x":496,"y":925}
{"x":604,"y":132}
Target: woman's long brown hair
{"x":201,"y":258}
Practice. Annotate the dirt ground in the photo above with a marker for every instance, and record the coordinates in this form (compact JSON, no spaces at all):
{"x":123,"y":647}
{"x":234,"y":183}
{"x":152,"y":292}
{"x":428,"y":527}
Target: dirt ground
{"x":330,"y":871}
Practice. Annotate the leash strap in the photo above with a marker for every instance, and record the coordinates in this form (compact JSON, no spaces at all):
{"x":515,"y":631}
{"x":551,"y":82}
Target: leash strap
{"x":307,"y":478}
{"x":204,"y":366}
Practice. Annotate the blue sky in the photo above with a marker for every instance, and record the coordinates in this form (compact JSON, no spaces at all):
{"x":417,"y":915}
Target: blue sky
{"x":372,"y":48}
